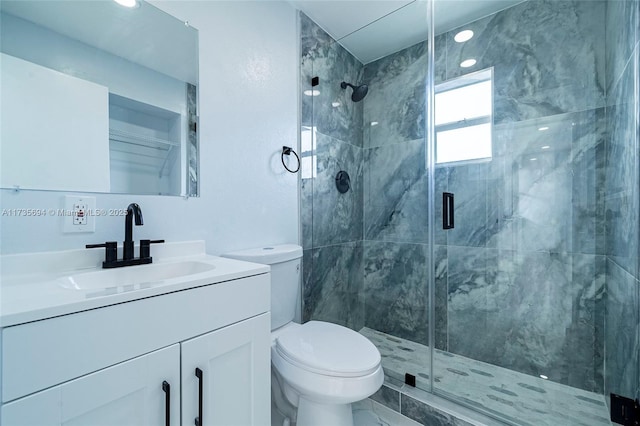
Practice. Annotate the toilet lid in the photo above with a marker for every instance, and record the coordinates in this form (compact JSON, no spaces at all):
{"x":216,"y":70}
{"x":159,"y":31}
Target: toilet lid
{"x":329,"y":349}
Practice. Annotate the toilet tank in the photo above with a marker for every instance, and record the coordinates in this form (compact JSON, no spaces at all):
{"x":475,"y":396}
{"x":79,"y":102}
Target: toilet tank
{"x":285,"y":277}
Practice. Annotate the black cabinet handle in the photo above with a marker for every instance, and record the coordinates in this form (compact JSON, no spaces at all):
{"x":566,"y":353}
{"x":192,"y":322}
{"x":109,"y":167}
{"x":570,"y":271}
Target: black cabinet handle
{"x":447,"y":210}
{"x":198,"y":421}
{"x":167,"y":403}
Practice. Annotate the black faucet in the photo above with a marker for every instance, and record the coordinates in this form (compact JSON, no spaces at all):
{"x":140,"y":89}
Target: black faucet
{"x":132,"y":211}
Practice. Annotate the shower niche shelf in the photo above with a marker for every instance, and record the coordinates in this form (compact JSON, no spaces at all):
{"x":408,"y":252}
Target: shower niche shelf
{"x":145,"y":145}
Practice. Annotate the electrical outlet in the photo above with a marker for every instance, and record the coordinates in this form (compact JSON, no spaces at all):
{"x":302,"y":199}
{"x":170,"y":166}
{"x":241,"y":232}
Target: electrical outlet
{"x":79,"y":214}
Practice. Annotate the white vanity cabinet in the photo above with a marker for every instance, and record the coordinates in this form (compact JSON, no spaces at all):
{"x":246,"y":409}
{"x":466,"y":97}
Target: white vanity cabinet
{"x":107,"y":366}
{"x":233,"y":373}
{"x":130,"y":393}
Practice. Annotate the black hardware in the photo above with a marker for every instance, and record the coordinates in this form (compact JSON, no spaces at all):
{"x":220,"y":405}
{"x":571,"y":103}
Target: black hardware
{"x":315,"y":81}
{"x":625,"y":411}
{"x":130,"y":262}
{"x":110,"y":253}
{"x":167,"y":403}
{"x":410,"y":379}
{"x":133,"y":210}
{"x":145,"y":250}
{"x":198,"y":421}
{"x":287,"y":150}
{"x":343,"y":181}
{"x":447,"y":210}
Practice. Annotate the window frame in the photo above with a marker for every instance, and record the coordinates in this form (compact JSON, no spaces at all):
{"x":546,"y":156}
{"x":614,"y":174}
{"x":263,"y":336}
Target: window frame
{"x":457,"y":83}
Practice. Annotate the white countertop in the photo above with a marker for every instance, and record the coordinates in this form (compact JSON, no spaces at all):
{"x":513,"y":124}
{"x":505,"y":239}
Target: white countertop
{"x":31,"y":286}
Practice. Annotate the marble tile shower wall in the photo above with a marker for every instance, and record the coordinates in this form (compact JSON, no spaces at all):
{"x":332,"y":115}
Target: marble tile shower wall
{"x":622,"y":201}
{"x":331,"y":222}
{"x":395,"y":195}
{"x":520,"y":281}
{"x":525,"y":263}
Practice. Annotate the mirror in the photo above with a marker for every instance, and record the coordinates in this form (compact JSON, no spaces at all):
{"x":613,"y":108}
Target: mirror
{"x":98,"y":97}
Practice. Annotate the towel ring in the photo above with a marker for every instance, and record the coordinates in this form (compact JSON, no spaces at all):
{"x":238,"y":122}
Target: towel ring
{"x":286,"y":151}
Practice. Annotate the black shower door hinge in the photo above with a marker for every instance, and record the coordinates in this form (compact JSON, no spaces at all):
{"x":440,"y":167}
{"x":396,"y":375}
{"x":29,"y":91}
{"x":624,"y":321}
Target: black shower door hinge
{"x":315,"y":81}
{"x":410,"y":379}
{"x":625,"y":411}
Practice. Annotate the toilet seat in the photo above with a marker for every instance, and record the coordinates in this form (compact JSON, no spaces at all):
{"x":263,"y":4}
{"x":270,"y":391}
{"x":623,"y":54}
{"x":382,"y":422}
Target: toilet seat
{"x":328,"y":349}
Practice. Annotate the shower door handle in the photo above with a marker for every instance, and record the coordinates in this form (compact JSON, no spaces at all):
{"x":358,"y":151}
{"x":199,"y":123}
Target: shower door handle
{"x":447,"y":210}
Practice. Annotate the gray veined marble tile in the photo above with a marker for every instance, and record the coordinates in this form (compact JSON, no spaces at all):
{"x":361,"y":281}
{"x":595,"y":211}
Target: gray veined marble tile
{"x":621,"y":26}
{"x":514,"y":397}
{"x":440,"y":54}
{"x":441,"y":296}
{"x":313,"y":38}
{"x":306,"y":212}
{"x":441,"y":184}
{"x":548,"y":57}
{"x":337,"y":217}
{"x":428,"y":415}
{"x":588,"y":157}
{"x":396,"y":289}
{"x":333,"y":283}
{"x":622,"y":322}
{"x":387,"y":397}
{"x":622,"y":181}
{"x":332,"y":111}
{"x":395,"y":193}
{"x":532,"y":309}
{"x":545,"y":188}
{"x":396,"y":98}
{"x":468,"y":183}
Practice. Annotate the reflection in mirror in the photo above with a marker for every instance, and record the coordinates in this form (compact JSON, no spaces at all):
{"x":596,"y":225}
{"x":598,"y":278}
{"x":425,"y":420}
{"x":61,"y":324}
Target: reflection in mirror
{"x":103,"y":98}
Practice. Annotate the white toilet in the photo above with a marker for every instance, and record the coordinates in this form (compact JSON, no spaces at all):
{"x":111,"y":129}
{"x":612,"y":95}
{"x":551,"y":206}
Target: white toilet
{"x":319,"y":367}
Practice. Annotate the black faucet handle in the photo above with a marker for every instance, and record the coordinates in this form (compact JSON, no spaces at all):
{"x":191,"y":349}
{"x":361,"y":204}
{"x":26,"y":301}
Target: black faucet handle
{"x":145,"y":250}
{"x":111,"y":250}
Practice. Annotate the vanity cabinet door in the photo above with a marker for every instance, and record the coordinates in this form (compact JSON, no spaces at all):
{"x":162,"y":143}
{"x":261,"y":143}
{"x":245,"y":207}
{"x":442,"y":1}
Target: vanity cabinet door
{"x":234,"y":375}
{"x":129,"y":393}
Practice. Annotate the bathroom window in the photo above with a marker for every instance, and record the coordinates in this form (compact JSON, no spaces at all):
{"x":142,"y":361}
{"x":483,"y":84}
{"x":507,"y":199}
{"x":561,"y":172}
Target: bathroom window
{"x":464,"y":117}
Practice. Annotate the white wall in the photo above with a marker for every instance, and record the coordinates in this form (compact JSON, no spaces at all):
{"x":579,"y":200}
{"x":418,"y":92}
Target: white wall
{"x":248,"y":110}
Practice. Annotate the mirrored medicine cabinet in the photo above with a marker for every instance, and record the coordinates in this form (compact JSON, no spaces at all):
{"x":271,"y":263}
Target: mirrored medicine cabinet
{"x":97,"y":97}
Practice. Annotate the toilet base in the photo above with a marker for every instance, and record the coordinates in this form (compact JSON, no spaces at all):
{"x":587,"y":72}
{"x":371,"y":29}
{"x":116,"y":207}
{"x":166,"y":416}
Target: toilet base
{"x":316,"y":414}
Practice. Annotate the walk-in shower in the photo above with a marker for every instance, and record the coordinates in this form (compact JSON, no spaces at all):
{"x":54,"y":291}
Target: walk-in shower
{"x":528,"y":309}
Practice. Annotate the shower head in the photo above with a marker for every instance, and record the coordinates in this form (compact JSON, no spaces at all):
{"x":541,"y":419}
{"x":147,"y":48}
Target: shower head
{"x":359,"y":92}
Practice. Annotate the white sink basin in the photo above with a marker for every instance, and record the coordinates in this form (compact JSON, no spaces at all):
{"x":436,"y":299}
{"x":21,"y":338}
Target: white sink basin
{"x":130,"y":278}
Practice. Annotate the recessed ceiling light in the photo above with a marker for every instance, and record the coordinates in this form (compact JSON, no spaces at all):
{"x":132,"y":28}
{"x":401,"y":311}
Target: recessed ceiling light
{"x":335,"y":104}
{"x":533,"y":159}
{"x":468,"y":63}
{"x":312,"y":92}
{"x":374,"y":123}
{"x":128,"y":3}
{"x":546,"y":147}
{"x":463,"y":36}
{"x":542,"y":129}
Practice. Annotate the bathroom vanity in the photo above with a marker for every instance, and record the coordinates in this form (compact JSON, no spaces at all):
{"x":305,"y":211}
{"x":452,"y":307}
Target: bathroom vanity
{"x":189,"y":345}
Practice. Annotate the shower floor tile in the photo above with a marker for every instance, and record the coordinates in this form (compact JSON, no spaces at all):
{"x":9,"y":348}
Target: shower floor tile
{"x":518,"y":398}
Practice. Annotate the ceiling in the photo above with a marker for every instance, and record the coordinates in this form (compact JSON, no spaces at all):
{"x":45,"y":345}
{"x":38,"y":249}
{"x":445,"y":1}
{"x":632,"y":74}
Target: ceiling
{"x":371,"y":29}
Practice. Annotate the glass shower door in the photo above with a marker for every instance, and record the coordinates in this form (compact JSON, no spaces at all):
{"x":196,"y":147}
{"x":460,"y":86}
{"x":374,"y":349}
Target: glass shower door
{"x":519,"y":278}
